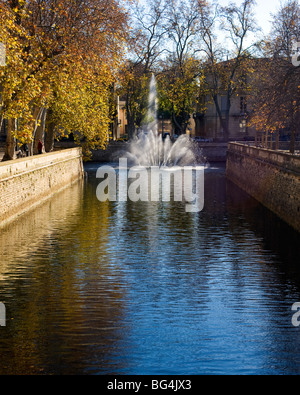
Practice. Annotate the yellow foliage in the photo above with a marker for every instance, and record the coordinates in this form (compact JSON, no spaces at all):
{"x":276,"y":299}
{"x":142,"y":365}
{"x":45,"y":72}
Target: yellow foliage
{"x":64,"y":67}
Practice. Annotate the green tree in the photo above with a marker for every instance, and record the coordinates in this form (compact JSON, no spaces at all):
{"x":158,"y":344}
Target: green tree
{"x":179,"y":87}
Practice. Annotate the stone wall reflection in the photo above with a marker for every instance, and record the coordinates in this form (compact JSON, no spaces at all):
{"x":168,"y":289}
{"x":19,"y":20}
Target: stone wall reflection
{"x":63,"y":301}
{"x":22,"y":238}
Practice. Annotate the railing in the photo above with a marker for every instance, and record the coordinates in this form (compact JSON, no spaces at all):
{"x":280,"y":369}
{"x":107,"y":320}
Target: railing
{"x":282,"y":159}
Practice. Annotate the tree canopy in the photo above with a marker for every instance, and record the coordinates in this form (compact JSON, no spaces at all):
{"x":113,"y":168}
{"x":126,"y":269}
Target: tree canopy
{"x":65,"y":59}
{"x":277,"y":89}
{"x":62,"y":56}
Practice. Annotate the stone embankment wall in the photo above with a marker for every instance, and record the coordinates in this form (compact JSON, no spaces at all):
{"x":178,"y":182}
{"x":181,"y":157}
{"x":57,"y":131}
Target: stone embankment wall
{"x":26,"y":182}
{"x":271,"y":177}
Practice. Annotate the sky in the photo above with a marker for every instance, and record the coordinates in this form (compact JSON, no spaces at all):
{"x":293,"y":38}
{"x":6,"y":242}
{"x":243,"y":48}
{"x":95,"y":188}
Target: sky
{"x":263,"y":10}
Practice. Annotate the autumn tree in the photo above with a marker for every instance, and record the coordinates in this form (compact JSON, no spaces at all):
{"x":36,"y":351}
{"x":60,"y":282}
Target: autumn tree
{"x":21,"y":83}
{"x":226,"y":68}
{"x":48,"y":39}
{"x":147,"y":39}
{"x":179,"y":79}
{"x":277,"y":98}
{"x":179,"y":87}
{"x":286,"y":30}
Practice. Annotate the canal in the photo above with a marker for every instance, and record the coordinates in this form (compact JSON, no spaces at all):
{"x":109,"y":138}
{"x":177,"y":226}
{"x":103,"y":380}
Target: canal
{"x":146,"y":288}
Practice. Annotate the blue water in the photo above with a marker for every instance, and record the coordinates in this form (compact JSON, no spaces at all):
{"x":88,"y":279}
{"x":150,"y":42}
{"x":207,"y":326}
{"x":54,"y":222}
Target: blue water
{"x":146,"y":288}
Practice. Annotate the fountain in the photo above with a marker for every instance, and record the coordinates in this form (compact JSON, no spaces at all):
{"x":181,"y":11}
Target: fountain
{"x":154,"y":168}
{"x":151,"y":124}
{"x":148,"y":148}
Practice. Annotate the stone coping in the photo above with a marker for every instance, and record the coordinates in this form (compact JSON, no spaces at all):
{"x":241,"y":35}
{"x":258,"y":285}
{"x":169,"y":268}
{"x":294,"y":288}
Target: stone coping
{"x":23,"y":165}
{"x":283,"y":159}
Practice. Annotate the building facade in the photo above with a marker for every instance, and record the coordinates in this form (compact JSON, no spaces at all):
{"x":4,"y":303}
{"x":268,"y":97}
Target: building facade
{"x":208,"y":124}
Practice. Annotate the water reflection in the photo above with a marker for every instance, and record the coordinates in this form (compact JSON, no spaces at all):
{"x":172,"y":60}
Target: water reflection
{"x":53,"y":264}
{"x":146,"y":288}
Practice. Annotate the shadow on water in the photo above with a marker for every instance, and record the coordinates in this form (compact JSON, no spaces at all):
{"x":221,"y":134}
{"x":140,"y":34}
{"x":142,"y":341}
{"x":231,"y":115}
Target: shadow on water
{"x":276,"y":236}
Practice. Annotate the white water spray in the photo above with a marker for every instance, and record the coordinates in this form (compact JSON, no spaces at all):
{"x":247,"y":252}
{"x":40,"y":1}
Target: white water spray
{"x":150,"y":149}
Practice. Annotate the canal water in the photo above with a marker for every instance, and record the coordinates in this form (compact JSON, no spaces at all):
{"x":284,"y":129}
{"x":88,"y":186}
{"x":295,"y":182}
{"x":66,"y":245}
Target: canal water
{"x":146,"y":288}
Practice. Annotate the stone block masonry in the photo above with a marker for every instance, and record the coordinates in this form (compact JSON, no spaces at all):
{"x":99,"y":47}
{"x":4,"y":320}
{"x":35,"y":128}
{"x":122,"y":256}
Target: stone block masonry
{"x":27,"y":182}
{"x":271,"y":177}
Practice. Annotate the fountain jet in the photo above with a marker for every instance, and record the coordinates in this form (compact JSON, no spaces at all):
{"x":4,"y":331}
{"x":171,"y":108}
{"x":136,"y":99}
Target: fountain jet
{"x":149,"y":148}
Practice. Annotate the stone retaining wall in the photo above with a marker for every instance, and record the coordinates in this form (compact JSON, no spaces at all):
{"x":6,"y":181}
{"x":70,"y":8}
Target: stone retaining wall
{"x":26,"y":182}
{"x":271,"y":177}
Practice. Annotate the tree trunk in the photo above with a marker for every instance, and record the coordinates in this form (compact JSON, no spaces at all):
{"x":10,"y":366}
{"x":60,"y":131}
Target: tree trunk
{"x":115,"y":112}
{"x":293,"y":141}
{"x":277,"y":140}
{"x":227,"y":117}
{"x":226,"y":126}
{"x":131,"y":129}
{"x":40,"y":132}
{"x":178,"y":127}
{"x":224,"y":122}
{"x":49,"y":141}
{"x":36,"y":113}
{"x":264,"y":139}
{"x":10,"y":147}
{"x":200,"y":126}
